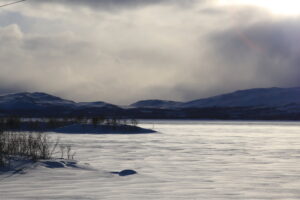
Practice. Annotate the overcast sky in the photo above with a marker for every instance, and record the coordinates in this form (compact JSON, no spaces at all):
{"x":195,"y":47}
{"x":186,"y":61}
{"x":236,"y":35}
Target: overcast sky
{"x":121,"y":51}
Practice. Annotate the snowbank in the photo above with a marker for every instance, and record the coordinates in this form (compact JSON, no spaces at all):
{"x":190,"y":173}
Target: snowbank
{"x":21,"y":166}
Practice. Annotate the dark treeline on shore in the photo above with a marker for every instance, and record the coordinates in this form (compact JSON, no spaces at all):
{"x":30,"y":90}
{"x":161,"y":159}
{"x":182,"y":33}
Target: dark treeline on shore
{"x":26,"y":138}
{"x":46,"y":124}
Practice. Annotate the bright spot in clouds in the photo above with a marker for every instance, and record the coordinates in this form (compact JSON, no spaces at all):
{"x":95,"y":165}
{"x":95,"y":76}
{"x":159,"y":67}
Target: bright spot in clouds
{"x":284,"y":7}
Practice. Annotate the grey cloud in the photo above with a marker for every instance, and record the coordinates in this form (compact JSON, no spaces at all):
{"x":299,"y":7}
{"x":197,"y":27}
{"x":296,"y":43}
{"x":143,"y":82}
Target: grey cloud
{"x":269,"y":51}
{"x":115,"y":4}
{"x":72,"y":67}
{"x":135,"y":55}
{"x":252,"y":50}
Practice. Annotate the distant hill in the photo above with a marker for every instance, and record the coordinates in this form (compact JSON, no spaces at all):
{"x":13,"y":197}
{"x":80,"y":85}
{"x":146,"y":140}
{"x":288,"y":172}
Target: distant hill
{"x":98,"y":104}
{"x":29,"y":101}
{"x":260,"y":103}
{"x":155,"y":104}
{"x":42,"y":104}
{"x":259,"y":97}
{"x":262,"y":97}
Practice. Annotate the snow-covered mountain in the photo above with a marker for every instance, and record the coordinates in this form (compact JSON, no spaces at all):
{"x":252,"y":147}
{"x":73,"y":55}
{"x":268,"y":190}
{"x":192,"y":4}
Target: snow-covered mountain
{"x":261,"y":103}
{"x":42,"y":104}
{"x":260,"y":97}
{"x":97,"y":104}
{"x":155,"y":104}
{"x":36,"y":100}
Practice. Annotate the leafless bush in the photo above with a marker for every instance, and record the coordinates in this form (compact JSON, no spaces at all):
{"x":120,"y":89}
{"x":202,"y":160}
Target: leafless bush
{"x":34,"y":146}
{"x":66,"y":151}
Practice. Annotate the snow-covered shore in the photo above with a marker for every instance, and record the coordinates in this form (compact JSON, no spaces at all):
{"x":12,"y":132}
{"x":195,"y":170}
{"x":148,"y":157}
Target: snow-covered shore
{"x":102,"y":129}
{"x":22,"y":166}
{"x":79,"y":128}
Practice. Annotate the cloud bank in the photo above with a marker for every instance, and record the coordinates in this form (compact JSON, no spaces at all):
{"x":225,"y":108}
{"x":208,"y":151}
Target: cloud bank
{"x":105,"y":50}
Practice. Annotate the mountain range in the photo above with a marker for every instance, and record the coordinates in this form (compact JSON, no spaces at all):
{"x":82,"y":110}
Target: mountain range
{"x":259,"y":103}
{"x":263,"y":97}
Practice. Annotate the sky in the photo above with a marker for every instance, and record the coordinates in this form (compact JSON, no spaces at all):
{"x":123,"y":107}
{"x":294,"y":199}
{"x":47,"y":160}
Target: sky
{"x":121,"y":51}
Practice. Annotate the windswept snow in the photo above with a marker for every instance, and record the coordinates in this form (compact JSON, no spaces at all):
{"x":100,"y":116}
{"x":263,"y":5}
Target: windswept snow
{"x":189,"y":160}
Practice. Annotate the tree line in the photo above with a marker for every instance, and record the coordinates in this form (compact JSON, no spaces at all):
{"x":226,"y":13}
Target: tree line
{"x":44,"y":124}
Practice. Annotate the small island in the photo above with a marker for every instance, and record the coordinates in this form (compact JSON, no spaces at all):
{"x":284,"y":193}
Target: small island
{"x":78,"y":125}
{"x":26,"y":142}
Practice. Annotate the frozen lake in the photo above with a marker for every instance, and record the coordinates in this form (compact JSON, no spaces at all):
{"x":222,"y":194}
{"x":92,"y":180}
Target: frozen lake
{"x":186,"y":160}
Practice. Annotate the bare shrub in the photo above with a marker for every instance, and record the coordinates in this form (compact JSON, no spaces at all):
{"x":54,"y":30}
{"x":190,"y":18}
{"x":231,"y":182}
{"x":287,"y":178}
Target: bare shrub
{"x":134,"y":122}
{"x":66,"y":151}
{"x":34,"y":146}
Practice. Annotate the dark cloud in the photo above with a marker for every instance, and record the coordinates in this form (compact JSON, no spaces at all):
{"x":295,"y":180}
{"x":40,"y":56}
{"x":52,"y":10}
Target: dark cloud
{"x":268,"y":50}
{"x":252,"y":50}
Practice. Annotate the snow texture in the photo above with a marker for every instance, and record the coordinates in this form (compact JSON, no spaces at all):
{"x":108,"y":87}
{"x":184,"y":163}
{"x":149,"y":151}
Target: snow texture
{"x":211,"y":160}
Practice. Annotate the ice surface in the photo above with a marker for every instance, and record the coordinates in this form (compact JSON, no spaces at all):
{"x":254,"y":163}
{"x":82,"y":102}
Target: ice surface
{"x":211,"y":160}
